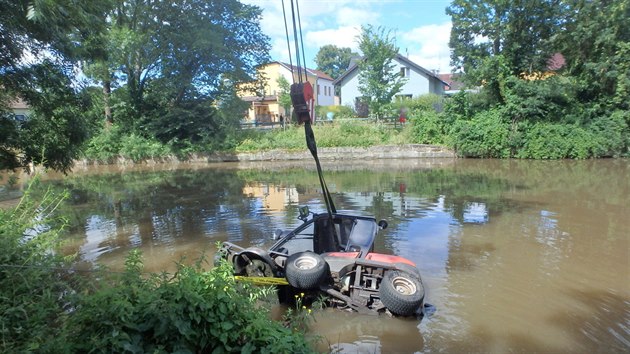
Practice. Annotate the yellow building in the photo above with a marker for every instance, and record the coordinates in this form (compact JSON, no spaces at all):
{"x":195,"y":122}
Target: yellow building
{"x":263,"y":94}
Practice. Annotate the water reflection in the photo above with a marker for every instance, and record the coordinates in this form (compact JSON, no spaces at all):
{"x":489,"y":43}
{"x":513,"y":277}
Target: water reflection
{"x":515,"y":255}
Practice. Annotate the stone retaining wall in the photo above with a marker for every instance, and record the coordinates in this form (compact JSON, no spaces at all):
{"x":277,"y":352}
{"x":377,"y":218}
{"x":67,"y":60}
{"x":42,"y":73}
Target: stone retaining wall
{"x":376,"y":152}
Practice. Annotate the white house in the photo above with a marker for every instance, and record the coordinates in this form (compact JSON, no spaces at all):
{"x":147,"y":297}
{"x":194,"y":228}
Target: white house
{"x":420,"y":81}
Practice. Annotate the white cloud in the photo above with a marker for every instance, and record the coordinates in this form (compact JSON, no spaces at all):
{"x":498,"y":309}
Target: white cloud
{"x":347,"y":16}
{"x":341,"y":37}
{"x":428,"y":46}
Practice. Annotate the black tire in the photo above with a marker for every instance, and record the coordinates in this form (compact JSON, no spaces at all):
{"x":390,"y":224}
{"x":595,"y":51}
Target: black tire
{"x":408,"y":268}
{"x":401,"y":293}
{"x":258,"y":268}
{"x":306,"y":270}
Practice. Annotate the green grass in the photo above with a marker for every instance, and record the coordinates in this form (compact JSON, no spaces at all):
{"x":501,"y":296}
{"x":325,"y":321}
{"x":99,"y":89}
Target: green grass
{"x":344,"y":133}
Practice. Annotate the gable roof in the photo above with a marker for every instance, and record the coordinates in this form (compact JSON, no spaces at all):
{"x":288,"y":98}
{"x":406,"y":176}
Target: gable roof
{"x":313,"y":72}
{"x":452,"y":81}
{"x":399,"y":58}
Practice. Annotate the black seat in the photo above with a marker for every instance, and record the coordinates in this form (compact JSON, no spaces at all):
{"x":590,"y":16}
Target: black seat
{"x":362,"y":237}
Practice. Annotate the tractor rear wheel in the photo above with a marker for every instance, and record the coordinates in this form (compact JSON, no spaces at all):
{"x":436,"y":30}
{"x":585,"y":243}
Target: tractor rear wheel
{"x":401,"y":293}
{"x":306,"y":270}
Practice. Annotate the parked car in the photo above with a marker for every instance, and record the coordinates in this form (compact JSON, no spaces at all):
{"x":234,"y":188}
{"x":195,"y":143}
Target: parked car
{"x":332,"y":254}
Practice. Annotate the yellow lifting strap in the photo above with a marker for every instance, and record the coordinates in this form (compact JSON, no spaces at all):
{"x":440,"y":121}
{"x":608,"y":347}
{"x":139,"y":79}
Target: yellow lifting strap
{"x":262,"y":280}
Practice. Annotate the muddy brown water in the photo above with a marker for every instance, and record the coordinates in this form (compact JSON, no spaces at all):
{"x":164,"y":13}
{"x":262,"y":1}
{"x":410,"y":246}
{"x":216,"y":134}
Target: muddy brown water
{"x":516,"y":256}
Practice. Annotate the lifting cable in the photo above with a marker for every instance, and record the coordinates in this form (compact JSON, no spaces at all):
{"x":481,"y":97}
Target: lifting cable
{"x":302,"y":97}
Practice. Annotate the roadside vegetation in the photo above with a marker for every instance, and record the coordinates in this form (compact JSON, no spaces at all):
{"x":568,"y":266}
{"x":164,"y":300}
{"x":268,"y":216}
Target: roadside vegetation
{"x":47,"y":306}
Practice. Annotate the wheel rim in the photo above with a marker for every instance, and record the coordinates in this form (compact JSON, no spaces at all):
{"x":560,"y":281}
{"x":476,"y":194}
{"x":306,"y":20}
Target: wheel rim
{"x":305,"y":263}
{"x":404,"y":286}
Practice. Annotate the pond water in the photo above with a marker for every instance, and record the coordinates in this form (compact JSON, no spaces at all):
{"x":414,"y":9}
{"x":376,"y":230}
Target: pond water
{"x":520,"y":256}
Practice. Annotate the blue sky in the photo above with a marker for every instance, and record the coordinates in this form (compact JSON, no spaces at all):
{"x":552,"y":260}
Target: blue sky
{"x":421,"y":27}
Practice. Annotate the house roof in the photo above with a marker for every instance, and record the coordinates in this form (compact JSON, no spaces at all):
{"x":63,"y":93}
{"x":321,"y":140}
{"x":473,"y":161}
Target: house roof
{"x":399,"y":58}
{"x":313,"y":72}
{"x":452,"y":81}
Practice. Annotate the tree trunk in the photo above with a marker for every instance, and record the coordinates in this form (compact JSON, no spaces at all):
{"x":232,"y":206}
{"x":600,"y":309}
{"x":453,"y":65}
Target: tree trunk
{"x":107,"y":90}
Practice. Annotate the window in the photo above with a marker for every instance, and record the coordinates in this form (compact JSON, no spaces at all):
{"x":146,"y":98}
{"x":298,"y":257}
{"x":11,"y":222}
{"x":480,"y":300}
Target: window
{"x":404,"y":71}
{"x":318,"y":89}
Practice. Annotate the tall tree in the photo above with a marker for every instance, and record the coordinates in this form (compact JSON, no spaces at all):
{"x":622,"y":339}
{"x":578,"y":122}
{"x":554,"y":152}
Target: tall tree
{"x":174,"y":56}
{"x":40,"y":43}
{"x":333,"y":60}
{"x":379,"y":82}
{"x":596,"y":44}
{"x":518,"y":31}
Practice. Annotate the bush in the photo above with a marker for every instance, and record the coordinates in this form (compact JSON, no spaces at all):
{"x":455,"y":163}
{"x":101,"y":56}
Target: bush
{"x":419,"y":104}
{"x":191,"y":312}
{"x":612,"y":134}
{"x":428,"y":127}
{"x":556,"y":141}
{"x":114,"y":142}
{"x":486,"y":135}
{"x":337,"y":111}
{"x":32,"y":287}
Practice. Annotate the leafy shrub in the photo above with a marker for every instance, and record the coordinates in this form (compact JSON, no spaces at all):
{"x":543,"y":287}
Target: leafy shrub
{"x":343,"y":132}
{"x":191,"y":312}
{"x":464,"y":105}
{"x":32,"y":308}
{"x":138,"y":148}
{"x":338,"y":112}
{"x":419,"y":104}
{"x":114,"y":142}
{"x":605,"y":137}
{"x":428,"y":128}
{"x":551,"y":99}
{"x":612,"y":134}
{"x":486,"y":135}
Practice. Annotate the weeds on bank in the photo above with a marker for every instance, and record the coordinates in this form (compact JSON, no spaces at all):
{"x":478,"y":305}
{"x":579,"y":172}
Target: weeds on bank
{"x":47,"y":307}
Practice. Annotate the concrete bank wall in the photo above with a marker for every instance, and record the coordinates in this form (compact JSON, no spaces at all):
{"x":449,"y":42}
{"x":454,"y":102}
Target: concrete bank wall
{"x":411,"y":151}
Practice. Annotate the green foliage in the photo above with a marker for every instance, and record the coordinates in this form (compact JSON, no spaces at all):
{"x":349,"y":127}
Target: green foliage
{"x":595,"y":44}
{"x":56,"y":30}
{"x":55,"y":131}
{"x":339,"y":133}
{"x":378,"y":81}
{"x":557,"y":141}
{"x":191,"y":311}
{"x":337,"y":111}
{"x":176,"y":57}
{"x":423,"y":103}
{"x":428,"y":127}
{"x":32,"y":286}
{"x":485,"y":135}
{"x":284,"y":96}
{"x":115,"y":142}
{"x":333,"y":60}
{"x":517,"y":30}
{"x":549,"y":100}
